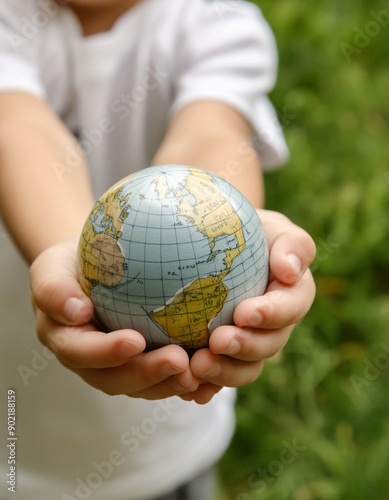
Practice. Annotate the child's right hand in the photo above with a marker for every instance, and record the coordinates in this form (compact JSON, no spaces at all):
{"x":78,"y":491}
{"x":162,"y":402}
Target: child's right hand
{"x":115,"y":362}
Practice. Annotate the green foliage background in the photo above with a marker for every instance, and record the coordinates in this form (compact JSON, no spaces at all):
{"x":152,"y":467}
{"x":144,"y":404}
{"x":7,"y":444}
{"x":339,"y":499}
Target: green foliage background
{"x":327,"y":392}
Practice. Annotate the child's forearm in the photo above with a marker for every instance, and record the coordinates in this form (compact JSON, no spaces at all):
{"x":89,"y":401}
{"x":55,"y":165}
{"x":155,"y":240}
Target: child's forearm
{"x":43,"y":200}
{"x":215,"y":137}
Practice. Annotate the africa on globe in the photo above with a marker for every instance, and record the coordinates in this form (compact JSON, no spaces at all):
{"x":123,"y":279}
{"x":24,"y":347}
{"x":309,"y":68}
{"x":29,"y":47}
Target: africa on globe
{"x":170,"y":251}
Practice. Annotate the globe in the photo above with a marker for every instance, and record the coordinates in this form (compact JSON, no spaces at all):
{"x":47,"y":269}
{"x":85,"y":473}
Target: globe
{"x":170,"y":251}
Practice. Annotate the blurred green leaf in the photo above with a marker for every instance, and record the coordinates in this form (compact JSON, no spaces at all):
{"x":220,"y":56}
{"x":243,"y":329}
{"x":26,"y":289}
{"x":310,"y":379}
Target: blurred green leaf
{"x":334,"y":109}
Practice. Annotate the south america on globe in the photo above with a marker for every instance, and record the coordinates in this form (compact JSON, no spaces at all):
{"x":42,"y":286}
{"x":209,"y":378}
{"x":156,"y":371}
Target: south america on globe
{"x":170,"y":251}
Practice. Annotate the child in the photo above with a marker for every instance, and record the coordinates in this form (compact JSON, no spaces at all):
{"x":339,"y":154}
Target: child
{"x":138,"y":83}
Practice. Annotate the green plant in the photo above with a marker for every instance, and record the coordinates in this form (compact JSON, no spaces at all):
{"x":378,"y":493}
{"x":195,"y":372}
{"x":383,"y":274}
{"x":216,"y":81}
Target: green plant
{"x":327,"y":391}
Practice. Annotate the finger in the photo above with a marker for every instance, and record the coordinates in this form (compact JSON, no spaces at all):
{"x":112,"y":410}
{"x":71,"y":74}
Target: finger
{"x":292,"y":250}
{"x":248,"y":344}
{"x":282,"y":305}
{"x":203,"y":394}
{"x":175,"y":385}
{"x":140,"y":373}
{"x":223,"y":370}
{"x":86,"y":347}
{"x":55,"y":288}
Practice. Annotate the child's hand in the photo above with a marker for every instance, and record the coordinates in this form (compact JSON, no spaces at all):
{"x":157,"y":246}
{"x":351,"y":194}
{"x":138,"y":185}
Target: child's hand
{"x":115,"y":362}
{"x":236,"y":353}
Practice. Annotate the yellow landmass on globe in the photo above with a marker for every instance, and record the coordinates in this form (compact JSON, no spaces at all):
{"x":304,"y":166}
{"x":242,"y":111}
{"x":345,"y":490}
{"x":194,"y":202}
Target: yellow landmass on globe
{"x":187,"y":316}
{"x":101,"y":259}
{"x":114,"y":211}
{"x":212,"y":213}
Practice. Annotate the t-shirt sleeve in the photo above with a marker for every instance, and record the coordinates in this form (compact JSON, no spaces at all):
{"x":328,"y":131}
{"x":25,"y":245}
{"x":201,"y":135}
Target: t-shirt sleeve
{"x":228,"y":53}
{"x":19,"y":49}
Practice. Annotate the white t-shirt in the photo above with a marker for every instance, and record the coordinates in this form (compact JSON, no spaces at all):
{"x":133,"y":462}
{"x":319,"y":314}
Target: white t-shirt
{"x":117,"y":91}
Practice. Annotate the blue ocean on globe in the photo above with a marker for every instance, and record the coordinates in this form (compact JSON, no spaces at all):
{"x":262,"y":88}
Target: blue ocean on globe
{"x":170,"y":251}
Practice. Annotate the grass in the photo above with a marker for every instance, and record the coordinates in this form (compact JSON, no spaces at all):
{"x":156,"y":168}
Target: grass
{"x":315,"y":425}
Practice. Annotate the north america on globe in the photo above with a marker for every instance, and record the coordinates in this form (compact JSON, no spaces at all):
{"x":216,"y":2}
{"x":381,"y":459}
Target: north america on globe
{"x":170,"y":251}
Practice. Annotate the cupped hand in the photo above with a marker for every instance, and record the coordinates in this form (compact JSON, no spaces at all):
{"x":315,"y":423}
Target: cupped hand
{"x":113,"y":362}
{"x":263,"y":324}
{"x":116,"y":362}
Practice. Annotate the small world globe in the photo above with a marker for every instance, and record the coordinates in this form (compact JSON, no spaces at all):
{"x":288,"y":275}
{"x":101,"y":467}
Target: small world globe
{"x":170,"y":251}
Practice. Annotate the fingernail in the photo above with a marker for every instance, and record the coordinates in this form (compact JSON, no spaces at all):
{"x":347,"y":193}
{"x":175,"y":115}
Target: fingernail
{"x":128,"y":349}
{"x":295,"y":262}
{"x":72,"y":308}
{"x":168,"y":369}
{"x":233,"y":347}
{"x":255,"y":319}
{"x":214,"y":371}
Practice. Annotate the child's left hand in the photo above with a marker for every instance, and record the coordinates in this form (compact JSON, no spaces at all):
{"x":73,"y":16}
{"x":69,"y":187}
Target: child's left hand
{"x":236,"y":354}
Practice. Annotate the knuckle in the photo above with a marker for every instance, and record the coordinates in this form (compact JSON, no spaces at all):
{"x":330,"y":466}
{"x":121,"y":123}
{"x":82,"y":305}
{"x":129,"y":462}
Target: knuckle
{"x":44,"y":331}
{"x":40,"y":329}
{"x":63,"y":349}
{"x":278,"y":216}
{"x":43,"y":291}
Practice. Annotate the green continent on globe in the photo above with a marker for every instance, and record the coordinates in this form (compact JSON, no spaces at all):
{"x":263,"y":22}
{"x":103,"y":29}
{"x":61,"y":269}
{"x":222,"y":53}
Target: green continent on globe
{"x":101,"y":259}
{"x":186,"y":317}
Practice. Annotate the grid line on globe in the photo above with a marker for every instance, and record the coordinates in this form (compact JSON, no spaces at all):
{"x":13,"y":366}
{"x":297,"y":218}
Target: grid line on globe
{"x":170,"y":251}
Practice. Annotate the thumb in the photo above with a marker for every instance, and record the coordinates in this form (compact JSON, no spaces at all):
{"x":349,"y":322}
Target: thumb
{"x":291,"y":255}
{"x":55,"y":289}
{"x":291,"y":248}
